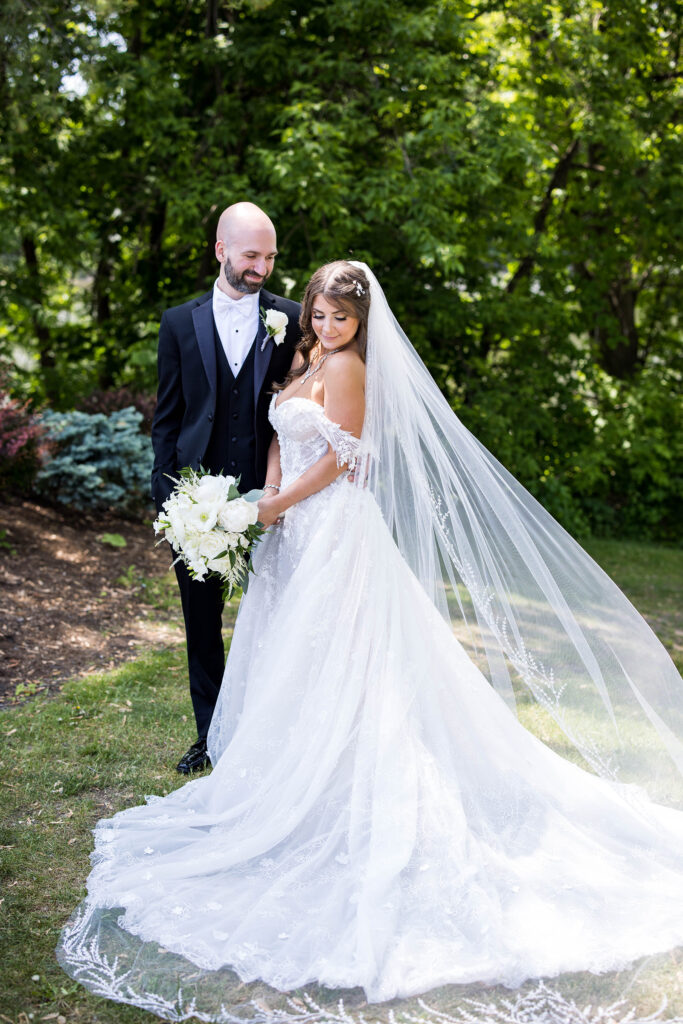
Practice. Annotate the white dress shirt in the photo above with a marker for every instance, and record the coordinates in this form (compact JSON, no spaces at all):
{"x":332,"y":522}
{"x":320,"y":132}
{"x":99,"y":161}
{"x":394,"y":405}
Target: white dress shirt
{"x":237,"y":324}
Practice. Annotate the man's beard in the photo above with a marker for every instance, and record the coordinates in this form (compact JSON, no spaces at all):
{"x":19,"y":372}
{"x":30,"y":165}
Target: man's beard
{"x":239,"y":281}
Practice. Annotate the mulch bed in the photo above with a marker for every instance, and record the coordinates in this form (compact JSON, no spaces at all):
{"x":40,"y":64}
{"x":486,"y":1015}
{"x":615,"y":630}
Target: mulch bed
{"x":62,"y":611}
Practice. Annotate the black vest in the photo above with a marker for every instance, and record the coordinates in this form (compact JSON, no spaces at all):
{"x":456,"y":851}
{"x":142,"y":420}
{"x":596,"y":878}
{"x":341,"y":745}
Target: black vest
{"x":232,"y":446}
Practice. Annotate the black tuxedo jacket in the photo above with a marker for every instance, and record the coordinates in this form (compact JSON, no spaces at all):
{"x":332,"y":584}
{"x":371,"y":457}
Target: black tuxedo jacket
{"x":186,"y":399}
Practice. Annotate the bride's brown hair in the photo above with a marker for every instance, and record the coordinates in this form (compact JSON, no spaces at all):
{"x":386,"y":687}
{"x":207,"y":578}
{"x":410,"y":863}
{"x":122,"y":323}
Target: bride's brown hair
{"x":350,"y":289}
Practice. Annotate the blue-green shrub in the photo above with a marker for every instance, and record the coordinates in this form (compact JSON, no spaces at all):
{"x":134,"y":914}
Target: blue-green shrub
{"x":98,"y":462}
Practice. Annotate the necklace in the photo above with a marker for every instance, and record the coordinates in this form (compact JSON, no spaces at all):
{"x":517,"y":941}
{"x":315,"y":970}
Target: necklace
{"x":314,"y":369}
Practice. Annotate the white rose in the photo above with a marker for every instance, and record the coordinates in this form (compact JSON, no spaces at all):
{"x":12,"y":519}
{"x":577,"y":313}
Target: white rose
{"x":190,"y":546}
{"x":238,"y":515}
{"x":276,"y":322}
{"x":209,"y":545}
{"x":219,"y":565}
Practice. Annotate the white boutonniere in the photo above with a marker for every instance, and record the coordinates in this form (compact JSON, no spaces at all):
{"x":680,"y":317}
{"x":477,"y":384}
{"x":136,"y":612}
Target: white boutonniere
{"x":276,"y":325}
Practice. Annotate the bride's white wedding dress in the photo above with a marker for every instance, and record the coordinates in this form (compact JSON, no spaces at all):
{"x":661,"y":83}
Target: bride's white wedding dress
{"x":376,"y":815}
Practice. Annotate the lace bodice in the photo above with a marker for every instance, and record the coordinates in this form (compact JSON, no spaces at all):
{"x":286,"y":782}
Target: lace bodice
{"x":305,"y":432}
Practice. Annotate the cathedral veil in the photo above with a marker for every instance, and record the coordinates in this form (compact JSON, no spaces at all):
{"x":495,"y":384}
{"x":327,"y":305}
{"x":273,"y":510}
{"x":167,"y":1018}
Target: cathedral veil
{"x":377,"y":824}
{"x":553,"y":634}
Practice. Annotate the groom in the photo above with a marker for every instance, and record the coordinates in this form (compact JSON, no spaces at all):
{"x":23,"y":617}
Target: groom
{"x":217,"y":365}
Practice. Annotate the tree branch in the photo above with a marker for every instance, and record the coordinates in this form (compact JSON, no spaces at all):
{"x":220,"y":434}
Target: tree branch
{"x":558,"y":180}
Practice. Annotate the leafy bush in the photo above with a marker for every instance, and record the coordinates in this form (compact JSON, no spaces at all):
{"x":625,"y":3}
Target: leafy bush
{"x":631,"y":482}
{"x":121,"y":398}
{"x":98,"y":462}
{"x":21,"y":445}
{"x":603,"y":456}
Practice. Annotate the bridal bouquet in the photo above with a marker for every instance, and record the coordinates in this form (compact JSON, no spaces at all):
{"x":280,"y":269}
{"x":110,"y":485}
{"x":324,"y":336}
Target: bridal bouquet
{"x":211,"y":526}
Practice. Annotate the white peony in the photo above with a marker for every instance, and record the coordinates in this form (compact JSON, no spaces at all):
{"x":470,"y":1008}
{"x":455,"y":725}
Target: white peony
{"x":276,"y":323}
{"x":237,"y":515}
{"x":201,"y":517}
{"x":213,"y":488}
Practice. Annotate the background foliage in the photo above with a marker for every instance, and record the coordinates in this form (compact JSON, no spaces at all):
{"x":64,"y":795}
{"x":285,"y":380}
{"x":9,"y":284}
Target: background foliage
{"x":510,"y":168}
{"x":96,"y":462}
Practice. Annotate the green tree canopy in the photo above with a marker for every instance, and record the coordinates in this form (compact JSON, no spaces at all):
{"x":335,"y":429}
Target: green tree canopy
{"x":510,"y":169}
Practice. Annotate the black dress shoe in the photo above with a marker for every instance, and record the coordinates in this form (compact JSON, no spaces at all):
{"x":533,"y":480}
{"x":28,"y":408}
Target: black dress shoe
{"x":195,"y":760}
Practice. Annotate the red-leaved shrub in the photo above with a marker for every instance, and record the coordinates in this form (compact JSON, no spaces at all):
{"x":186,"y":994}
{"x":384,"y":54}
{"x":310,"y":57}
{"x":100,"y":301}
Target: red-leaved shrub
{"x":22,"y":445}
{"x":116,"y":399}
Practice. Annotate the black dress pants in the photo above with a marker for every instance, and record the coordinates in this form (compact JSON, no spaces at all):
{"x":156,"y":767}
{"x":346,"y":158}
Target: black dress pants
{"x":202,"y":608}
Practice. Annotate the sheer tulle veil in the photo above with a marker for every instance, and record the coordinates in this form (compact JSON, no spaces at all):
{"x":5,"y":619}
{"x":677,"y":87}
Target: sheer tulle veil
{"x":377,"y":824}
{"x":550,"y":630}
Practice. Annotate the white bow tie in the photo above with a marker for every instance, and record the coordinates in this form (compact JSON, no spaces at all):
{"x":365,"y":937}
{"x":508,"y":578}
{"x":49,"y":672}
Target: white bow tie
{"x":235,"y":307}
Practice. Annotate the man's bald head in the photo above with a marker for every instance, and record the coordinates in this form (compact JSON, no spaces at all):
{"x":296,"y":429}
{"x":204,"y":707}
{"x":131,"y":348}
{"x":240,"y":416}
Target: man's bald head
{"x":246,"y":247}
{"x":242,"y":217}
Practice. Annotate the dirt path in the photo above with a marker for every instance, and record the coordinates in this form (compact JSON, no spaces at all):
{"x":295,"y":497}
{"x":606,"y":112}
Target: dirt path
{"x":70,"y":603}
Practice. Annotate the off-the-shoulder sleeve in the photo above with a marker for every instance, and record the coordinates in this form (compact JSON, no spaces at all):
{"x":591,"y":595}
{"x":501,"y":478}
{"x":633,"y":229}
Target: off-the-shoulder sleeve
{"x":346,"y":446}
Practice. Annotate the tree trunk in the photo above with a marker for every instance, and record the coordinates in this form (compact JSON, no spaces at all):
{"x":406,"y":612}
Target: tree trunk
{"x":622,"y":360}
{"x":558,"y":180}
{"x":154,"y":259}
{"x":35,"y":296}
{"x":102,"y":310}
{"x":101,"y":291}
{"x":211,"y":18}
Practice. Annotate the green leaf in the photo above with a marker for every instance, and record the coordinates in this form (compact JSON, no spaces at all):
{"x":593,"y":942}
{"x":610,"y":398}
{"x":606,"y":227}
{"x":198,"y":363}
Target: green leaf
{"x":114,"y":540}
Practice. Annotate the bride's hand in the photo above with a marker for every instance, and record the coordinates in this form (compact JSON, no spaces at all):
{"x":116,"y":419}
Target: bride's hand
{"x":268,"y":512}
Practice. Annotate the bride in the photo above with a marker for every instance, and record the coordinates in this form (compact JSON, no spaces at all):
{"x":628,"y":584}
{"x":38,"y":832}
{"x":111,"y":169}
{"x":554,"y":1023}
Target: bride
{"x":377,"y":815}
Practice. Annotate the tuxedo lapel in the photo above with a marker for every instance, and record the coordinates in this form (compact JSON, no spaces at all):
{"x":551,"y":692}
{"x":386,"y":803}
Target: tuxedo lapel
{"x":263,"y":345}
{"x":202,"y":317}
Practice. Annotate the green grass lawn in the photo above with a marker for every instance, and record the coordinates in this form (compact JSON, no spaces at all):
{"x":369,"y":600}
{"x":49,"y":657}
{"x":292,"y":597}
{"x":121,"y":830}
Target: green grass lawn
{"x":106,"y":740}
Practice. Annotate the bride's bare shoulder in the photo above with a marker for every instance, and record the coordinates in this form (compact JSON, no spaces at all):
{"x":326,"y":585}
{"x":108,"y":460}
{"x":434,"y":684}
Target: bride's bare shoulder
{"x":346,"y":370}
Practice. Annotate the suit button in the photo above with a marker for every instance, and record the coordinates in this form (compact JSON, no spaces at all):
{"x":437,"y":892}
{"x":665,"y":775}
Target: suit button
{"x":233,"y":439}
{"x":210,"y":417}
{"x":234,"y":415}
{"x":233,"y":463}
{"x":235,"y":391}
